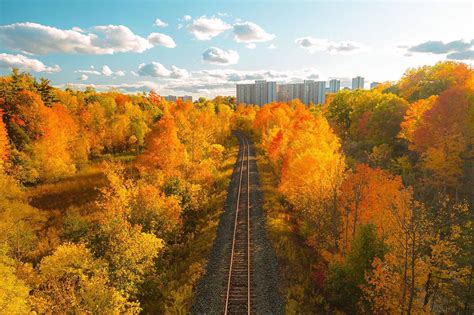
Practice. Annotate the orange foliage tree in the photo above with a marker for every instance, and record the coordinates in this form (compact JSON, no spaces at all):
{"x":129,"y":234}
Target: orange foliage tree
{"x":444,"y":134}
{"x":4,"y":142}
{"x":368,"y":195}
{"x":54,"y":150}
{"x":164,"y":149}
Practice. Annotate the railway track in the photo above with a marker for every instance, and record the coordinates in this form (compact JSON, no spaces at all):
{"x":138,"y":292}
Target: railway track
{"x":238,"y":296}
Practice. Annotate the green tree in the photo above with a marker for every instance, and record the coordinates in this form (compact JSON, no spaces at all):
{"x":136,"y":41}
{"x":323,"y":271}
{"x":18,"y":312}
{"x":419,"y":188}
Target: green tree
{"x":344,"y":279}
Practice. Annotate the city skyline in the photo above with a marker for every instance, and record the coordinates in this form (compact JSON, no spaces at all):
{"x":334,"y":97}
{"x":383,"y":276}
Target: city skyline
{"x":262,"y":92}
{"x":184,"y":48}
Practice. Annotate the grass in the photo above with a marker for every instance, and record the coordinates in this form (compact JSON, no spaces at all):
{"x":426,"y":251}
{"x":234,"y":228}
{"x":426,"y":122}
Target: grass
{"x":79,"y":190}
{"x":299,"y":292}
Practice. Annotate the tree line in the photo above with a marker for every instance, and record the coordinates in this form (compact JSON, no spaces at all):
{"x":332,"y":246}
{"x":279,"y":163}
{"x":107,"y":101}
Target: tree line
{"x":379,"y":184}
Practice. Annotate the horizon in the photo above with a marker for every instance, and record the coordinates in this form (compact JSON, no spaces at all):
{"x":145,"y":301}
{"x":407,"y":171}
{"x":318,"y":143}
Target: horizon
{"x":205,"y":49}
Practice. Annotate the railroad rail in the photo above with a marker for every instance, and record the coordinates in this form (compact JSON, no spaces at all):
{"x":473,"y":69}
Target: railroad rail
{"x":238,"y":298}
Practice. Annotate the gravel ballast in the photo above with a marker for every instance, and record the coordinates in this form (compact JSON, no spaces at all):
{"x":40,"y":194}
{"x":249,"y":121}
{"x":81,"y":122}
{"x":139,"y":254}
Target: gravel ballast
{"x":210,"y":291}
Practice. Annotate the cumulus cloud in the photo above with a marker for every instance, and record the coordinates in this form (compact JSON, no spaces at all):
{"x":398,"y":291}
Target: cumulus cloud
{"x":204,"y":28}
{"x":205,"y":82}
{"x":313,"y":45}
{"x":251,"y":46}
{"x":162,"y":40}
{"x":272,"y":46}
{"x":160,"y":23}
{"x":233,"y":75}
{"x":455,"y":50}
{"x":187,"y":18}
{"x":249,"y":32}
{"x":222,"y":81}
{"x":156,"y":69}
{"x":35,"y":38}
{"x":219,"y":56}
{"x":25,"y":63}
{"x":83,"y":77}
{"x":105,"y":71}
{"x":140,"y":86}
{"x":89,"y":71}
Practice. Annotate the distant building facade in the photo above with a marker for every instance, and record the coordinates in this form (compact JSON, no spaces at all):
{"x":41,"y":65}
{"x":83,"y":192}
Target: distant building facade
{"x":334,"y":85}
{"x":174,"y":98}
{"x":358,"y":83}
{"x":374,"y":85}
{"x":186,"y":98}
{"x":262,"y":92}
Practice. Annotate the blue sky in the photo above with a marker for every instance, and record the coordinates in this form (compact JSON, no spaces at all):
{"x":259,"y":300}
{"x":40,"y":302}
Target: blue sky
{"x":208,"y":46}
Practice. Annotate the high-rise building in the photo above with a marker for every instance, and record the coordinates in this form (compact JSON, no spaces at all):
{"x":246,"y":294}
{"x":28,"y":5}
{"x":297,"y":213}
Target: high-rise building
{"x":374,"y":85}
{"x":334,"y":85}
{"x":171,"y":98}
{"x":320,"y":92}
{"x":262,"y":92}
{"x":259,"y":93}
{"x":246,"y":93}
{"x":358,"y":83}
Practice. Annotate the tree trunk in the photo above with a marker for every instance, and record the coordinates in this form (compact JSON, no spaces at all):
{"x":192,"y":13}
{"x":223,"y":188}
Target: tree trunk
{"x":412,"y":287}
{"x":405,"y":271}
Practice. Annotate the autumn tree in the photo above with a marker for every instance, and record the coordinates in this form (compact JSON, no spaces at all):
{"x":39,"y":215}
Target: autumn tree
{"x":4,"y":142}
{"x":54,"y":150}
{"x":346,"y":278}
{"x":368,"y":196}
{"x":164,"y":149}
{"x":14,"y":292}
{"x":312,"y":171}
{"x":426,"y":81}
{"x":72,"y":280}
{"x":367,"y":121}
{"x":443,"y":136}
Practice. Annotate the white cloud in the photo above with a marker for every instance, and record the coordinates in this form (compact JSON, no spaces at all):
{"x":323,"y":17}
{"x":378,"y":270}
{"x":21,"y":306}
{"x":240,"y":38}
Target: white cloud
{"x":187,"y":18}
{"x":160,"y":23}
{"x":222,"y":81}
{"x":83,"y":77}
{"x":205,"y":28}
{"x":126,"y":87}
{"x":249,"y":32}
{"x":162,"y":40}
{"x":313,"y":45}
{"x":272,"y":46}
{"x":25,"y":63}
{"x":251,"y":46}
{"x":232,"y":75}
{"x":156,"y":69}
{"x":205,"y":82}
{"x":221,"y":57}
{"x":35,"y":38}
{"x":106,"y":71}
{"x":89,"y":71}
